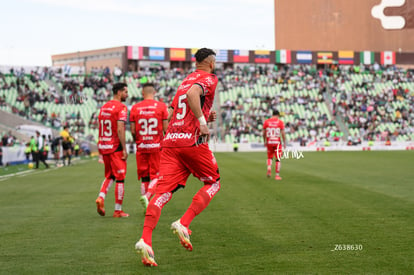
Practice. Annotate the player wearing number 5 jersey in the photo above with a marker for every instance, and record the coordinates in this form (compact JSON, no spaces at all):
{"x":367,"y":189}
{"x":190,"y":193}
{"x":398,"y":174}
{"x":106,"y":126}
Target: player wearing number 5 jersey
{"x":111,"y":145}
{"x":148,"y":120}
{"x":273,"y":131}
{"x":185,"y":151}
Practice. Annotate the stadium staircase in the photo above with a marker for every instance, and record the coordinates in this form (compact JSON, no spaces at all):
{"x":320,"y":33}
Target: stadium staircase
{"x":58,"y":88}
{"x":21,"y":137}
{"x":340,"y":123}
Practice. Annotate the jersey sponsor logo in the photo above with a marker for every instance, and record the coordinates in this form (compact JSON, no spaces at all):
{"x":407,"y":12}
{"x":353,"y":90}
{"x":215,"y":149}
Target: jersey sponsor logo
{"x":148,"y":146}
{"x":105,"y":146}
{"x":105,"y":114}
{"x":146,"y":112}
{"x":178,"y":136}
{"x":147,"y":138}
{"x":178,"y":123}
{"x":184,"y":86}
{"x":148,"y":107}
{"x":105,"y":139}
{"x":108,"y":109}
{"x":209,"y":80}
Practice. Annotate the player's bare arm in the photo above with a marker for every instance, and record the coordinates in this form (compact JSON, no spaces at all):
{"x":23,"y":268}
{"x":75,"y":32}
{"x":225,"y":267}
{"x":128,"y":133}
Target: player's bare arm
{"x":170,"y":113}
{"x":193,"y":99}
{"x":284,"y":138}
{"x":133,"y":132}
{"x":165,"y":125}
{"x":121,"y":136}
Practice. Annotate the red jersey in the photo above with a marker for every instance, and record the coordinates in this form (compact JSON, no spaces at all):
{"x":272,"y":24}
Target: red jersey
{"x":148,"y":116}
{"x":109,"y":115}
{"x":184,"y":127}
{"x":273,"y":127}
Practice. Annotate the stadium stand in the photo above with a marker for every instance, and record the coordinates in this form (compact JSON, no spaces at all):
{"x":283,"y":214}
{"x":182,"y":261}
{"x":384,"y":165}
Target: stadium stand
{"x":370,"y":102}
{"x":375,"y":104}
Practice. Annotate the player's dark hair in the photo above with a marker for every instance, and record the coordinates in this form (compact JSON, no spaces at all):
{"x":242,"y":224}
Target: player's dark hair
{"x":118,"y":86}
{"x":148,"y":85}
{"x":203,"y":53}
{"x":276,"y":112}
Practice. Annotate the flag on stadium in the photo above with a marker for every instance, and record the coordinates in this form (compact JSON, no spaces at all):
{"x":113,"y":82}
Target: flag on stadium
{"x":346,"y":57}
{"x":193,"y":52}
{"x":367,"y":57}
{"x":304,"y":57}
{"x":156,"y":53}
{"x":325,"y":58}
{"x":283,"y":56}
{"x":177,"y":54}
{"x":135,"y":52}
{"x":221,"y":55}
{"x":241,"y":56}
{"x":261,"y":56}
{"x":387,"y":58}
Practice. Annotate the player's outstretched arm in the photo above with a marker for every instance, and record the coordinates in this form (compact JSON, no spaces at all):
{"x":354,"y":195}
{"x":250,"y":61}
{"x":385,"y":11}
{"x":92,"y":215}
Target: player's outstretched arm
{"x":121,"y":136}
{"x":193,"y":99}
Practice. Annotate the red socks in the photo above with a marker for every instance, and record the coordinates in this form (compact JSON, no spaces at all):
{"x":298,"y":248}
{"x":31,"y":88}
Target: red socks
{"x":106,"y":184}
{"x":153,"y":215}
{"x":200,"y":202}
{"x":277,"y":167}
{"x":119,"y":193}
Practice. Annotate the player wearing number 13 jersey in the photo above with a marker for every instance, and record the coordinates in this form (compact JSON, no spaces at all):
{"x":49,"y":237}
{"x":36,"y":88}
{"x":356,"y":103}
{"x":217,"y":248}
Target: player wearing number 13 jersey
{"x":111,"y":145}
{"x":273,"y":131}
{"x":185,"y":151}
{"x":148,"y":120}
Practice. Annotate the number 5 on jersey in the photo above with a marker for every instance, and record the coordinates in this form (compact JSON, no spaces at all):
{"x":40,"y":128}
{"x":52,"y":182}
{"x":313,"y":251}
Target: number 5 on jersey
{"x":183,"y":106}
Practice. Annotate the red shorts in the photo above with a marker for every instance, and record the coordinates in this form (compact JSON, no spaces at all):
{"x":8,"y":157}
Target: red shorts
{"x":178,"y":163}
{"x":148,"y":164}
{"x":115,"y":166}
{"x":274,"y":151}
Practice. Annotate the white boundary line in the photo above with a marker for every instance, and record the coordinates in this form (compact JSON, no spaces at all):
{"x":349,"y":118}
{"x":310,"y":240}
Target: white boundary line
{"x":34,"y":172}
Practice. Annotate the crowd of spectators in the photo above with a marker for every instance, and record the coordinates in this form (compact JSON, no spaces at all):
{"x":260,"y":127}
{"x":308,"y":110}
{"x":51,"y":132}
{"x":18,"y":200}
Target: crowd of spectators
{"x":306,"y":119}
{"x":378,"y":106}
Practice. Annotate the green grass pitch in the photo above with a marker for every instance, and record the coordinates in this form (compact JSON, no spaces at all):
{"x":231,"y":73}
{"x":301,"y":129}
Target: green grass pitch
{"x":302,"y":224}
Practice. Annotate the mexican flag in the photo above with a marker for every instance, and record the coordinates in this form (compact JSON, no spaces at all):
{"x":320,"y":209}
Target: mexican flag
{"x":367,"y":58}
{"x":283,"y":56}
{"x":387,"y":58}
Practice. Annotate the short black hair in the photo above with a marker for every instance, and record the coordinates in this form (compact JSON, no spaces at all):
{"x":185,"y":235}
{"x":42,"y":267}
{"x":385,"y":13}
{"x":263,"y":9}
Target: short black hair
{"x":203,"y":53}
{"x":118,"y":86}
{"x":276,"y":112}
{"x":148,"y":85}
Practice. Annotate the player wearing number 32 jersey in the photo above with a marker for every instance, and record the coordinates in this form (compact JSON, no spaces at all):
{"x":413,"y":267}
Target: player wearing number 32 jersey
{"x":111,"y":145}
{"x":148,"y":120}
{"x":185,"y":151}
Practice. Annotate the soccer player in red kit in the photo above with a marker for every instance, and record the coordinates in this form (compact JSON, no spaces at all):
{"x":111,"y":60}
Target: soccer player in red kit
{"x":273,"y":130}
{"x":148,"y":120}
{"x":111,"y":145}
{"x":185,"y":151}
